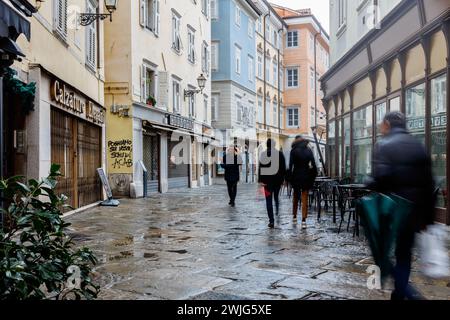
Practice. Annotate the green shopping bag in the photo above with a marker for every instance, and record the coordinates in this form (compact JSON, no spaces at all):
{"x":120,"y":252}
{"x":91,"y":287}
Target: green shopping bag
{"x":383,"y":217}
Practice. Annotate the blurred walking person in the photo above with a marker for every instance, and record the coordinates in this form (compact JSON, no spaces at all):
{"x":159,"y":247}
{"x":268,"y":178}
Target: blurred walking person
{"x":401,"y":166}
{"x":271,"y":174}
{"x":231,"y":163}
{"x":301,"y":174}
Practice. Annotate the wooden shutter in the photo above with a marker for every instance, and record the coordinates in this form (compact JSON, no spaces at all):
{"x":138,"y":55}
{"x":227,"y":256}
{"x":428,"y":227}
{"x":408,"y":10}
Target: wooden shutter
{"x":143,"y":13}
{"x":91,"y":39}
{"x":144,"y":83}
{"x":157,"y":18}
{"x":60,"y":17}
{"x":163,"y":90}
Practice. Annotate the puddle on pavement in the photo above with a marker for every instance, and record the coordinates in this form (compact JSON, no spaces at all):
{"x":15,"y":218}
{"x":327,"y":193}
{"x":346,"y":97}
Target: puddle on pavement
{"x":122,"y":255}
{"x":123,"y":242}
{"x":178,"y":251}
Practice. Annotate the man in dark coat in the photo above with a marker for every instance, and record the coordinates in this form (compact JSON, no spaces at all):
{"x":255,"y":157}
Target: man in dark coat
{"x":271,"y":174}
{"x":231,"y":163}
{"x":402,"y":166}
{"x":302,"y":173}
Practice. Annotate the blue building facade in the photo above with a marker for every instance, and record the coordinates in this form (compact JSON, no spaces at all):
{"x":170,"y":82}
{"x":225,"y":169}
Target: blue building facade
{"x":233,"y":60}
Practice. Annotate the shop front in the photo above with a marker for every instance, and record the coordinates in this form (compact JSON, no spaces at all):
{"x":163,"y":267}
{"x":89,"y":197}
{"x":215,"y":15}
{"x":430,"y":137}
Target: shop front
{"x":75,"y":130}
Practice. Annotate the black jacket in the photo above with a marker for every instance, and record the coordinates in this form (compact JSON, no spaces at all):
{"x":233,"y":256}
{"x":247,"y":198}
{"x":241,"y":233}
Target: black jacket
{"x":402,"y":166}
{"x":231,"y":163}
{"x":272,"y":168}
{"x":302,"y":166}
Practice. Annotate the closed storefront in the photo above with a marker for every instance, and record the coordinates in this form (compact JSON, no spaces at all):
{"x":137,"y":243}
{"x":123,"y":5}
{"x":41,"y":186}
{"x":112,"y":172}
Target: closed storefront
{"x":178,"y":165}
{"x":151,"y":161}
{"x":76,"y":142}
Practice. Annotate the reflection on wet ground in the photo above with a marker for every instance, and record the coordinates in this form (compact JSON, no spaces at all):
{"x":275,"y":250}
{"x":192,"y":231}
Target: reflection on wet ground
{"x":189,"y":244}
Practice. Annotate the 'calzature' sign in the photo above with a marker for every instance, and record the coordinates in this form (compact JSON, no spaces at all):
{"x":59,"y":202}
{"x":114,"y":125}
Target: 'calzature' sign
{"x":67,"y":99}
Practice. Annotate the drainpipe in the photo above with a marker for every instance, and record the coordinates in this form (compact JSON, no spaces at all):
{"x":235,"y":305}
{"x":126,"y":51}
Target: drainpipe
{"x":265,"y":68}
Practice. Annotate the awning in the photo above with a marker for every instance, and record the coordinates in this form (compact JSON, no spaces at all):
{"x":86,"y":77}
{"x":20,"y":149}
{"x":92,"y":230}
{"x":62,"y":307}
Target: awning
{"x":14,"y":20}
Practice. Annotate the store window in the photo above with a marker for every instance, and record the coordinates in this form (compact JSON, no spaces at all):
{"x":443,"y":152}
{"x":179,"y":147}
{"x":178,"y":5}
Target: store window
{"x":332,"y":147}
{"x":362,"y":143}
{"x":380,"y":112}
{"x":346,"y":146}
{"x":439,"y":137}
{"x":394,"y":104}
{"x":415,"y":111}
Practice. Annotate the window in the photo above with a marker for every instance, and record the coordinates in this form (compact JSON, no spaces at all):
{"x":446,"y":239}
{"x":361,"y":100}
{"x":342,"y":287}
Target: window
{"x":275,"y":38}
{"x":260,"y":110}
{"x":91,"y":39}
{"x":214,"y":9}
{"x":362,"y":143}
{"x":205,"y":109}
{"x":268,"y":70}
{"x":238,"y":60}
{"x":268,"y":101}
{"x":148,"y":84}
{"x":342,"y":12}
{"x":380,"y":112}
{"x":237,"y":16}
{"x":176,"y":100}
{"x":292,"y":117}
{"x":150,"y":15}
{"x":251,"y":64}
{"x":205,"y":58}
{"x":205,"y":9}
{"x":311,"y":44}
{"x":215,"y":107}
{"x":292,"y":77}
{"x":260,"y":25}
{"x":292,"y":39}
{"x":275,"y":112}
{"x":60,"y":18}
{"x":394,"y":104}
{"x":267,"y":31}
{"x":311,"y":78}
{"x":275,"y":72}
{"x":176,"y":37}
{"x":191,"y":46}
{"x":238,"y":109}
{"x":191,"y":104}
{"x":215,"y":55}
{"x":260,"y":65}
{"x":251,"y":27}
{"x":281,"y":84}
{"x":439,"y":136}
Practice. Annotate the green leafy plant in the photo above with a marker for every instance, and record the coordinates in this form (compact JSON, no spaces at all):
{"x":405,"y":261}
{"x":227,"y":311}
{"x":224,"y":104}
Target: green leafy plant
{"x":38,"y":260}
{"x":151,"y":101}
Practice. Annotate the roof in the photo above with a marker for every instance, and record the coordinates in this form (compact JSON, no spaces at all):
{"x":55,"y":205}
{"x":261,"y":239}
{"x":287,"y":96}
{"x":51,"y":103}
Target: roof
{"x":253,"y":6}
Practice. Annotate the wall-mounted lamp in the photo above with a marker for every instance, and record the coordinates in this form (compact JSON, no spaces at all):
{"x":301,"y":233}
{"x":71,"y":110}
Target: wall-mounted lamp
{"x":201,"y":80}
{"x":120,"y":110}
{"x":88,"y":18}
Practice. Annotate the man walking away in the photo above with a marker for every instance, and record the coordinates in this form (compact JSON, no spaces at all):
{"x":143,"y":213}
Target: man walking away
{"x":231,"y":163}
{"x":401,"y":166}
{"x":271,"y":173}
{"x":302,"y":173}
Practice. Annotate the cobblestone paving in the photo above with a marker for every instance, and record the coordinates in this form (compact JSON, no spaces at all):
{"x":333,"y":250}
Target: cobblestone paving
{"x":189,"y":244}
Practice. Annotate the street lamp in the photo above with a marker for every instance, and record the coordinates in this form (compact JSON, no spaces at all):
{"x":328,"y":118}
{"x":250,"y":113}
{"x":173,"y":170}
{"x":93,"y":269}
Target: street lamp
{"x":201,"y":80}
{"x":88,"y":18}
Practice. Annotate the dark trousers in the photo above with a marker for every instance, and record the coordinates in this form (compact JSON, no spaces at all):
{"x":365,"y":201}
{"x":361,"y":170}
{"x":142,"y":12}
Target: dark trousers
{"x":402,"y":269}
{"x":272,"y":192}
{"x":232,"y":190}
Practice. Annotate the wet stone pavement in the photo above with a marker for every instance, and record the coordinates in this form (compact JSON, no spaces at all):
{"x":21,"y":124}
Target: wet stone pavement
{"x":189,"y":244}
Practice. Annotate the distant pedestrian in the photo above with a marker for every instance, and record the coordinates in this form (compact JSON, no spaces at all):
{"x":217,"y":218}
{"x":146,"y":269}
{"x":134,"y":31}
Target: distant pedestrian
{"x":271,"y":174}
{"x":301,"y":174}
{"x":402,"y":166}
{"x":232,"y":162}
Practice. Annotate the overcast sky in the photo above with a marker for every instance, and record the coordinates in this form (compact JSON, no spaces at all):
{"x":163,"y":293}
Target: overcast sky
{"x":320,"y":8}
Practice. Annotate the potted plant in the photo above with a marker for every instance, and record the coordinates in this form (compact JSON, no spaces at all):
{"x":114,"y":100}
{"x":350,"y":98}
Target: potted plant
{"x":151,"y":101}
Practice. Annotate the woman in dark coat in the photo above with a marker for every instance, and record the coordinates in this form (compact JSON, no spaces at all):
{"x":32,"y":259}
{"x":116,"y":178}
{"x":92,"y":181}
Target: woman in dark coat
{"x":271,"y":174}
{"x":302,"y":173}
{"x":231,"y":163}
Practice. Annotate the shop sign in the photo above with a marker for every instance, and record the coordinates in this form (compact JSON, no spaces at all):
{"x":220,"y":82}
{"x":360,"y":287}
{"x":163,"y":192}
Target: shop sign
{"x":69,"y":100}
{"x":180,"y":122}
{"x":419,"y":123}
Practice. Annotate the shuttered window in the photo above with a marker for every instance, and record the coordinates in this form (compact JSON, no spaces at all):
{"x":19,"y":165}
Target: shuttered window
{"x":91,"y":39}
{"x":150,"y":15}
{"x":215,"y":56}
{"x":60,"y":17}
{"x":205,"y":58}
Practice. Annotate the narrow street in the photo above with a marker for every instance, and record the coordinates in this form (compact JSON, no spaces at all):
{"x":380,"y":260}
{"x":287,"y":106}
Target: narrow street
{"x":191,"y":245}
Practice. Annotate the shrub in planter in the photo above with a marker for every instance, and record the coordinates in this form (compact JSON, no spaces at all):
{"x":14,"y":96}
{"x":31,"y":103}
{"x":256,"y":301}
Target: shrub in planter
{"x":38,"y":260}
{"x":151,"y":101}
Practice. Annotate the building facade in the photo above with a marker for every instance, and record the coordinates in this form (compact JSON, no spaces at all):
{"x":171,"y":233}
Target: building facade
{"x":401,"y":62}
{"x":233,"y":93}
{"x":155,"y":53}
{"x":270,"y":31}
{"x":66,"y":124}
{"x":306,"y":59}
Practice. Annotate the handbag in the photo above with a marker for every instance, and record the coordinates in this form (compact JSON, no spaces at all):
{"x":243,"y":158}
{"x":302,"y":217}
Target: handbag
{"x":434,"y":259}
